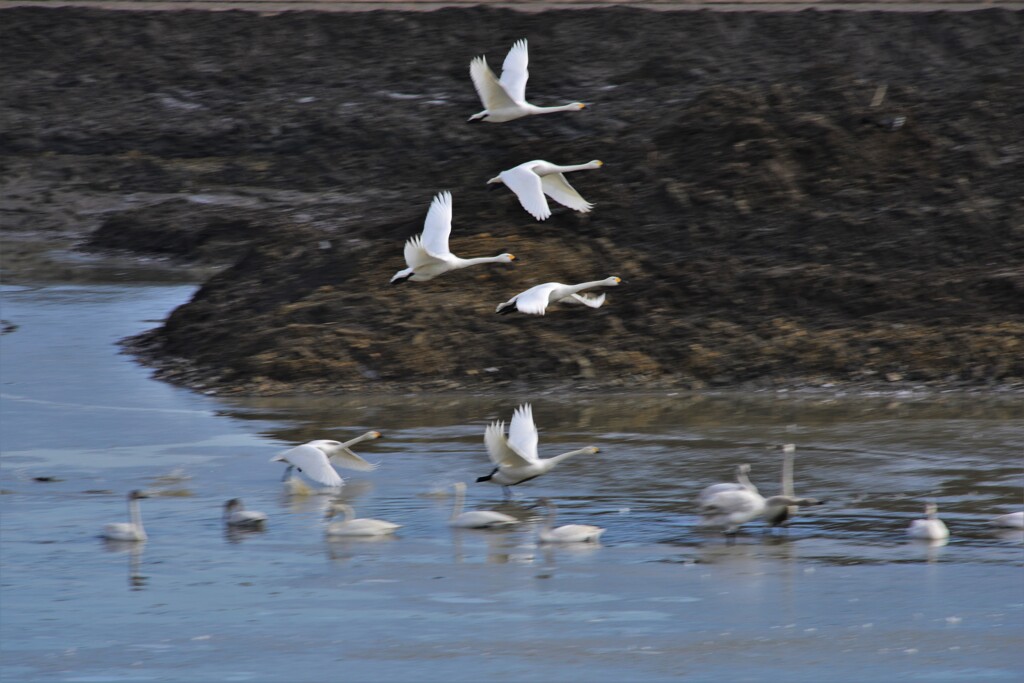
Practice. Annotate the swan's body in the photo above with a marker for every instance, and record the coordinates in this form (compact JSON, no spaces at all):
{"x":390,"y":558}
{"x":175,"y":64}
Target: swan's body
{"x":567,"y":533}
{"x":476,"y":519}
{"x":536,"y":299}
{"x":315,"y":459}
{"x":730,"y":509}
{"x":132,"y":530}
{"x":427,"y":255}
{"x":742,"y":483}
{"x":1013,"y":520}
{"x":534,"y":179}
{"x":931,"y":528}
{"x":504,"y":99}
{"x":515,"y":458}
{"x":357,"y":526}
{"x":236,"y":516}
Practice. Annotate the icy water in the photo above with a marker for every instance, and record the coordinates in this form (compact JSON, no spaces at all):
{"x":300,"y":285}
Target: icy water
{"x":841,"y":596}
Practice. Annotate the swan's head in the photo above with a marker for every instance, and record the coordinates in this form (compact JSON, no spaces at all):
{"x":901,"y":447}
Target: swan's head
{"x":339,"y":509}
{"x":494,"y":182}
{"x":232,"y":504}
{"x":789,"y":448}
{"x":459,"y":486}
{"x":596,"y":163}
{"x":508,"y":257}
{"x":612,"y":281}
{"x":593,"y":449}
{"x":137,"y":494}
{"x":931,"y":509}
{"x":743,"y":469}
{"x":579,"y":105}
{"x":374,"y":435}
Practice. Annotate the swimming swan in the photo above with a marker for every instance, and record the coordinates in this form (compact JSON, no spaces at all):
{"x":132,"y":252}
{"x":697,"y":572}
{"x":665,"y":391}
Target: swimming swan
{"x":1013,"y":520}
{"x":235,"y":515}
{"x":128,"y":531}
{"x":731,"y":509}
{"x":515,"y":459}
{"x":314,"y":458}
{"x":567,"y":533}
{"x":534,"y":179}
{"x":476,"y":519}
{"x":931,"y":528}
{"x":505,"y":99}
{"x":779,"y":515}
{"x":536,"y":299}
{"x":357,"y":526}
{"x":427,"y":254}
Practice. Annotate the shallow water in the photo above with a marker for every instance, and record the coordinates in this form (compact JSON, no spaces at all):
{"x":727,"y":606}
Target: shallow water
{"x":842,"y":595}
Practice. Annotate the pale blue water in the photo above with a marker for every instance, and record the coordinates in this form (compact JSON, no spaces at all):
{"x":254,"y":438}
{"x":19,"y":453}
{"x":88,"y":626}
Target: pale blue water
{"x":843,"y":596}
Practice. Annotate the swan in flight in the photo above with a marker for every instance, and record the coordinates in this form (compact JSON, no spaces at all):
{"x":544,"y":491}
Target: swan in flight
{"x":534,"y":179}
{"x":314,"y":459}
{"x":128,"y":531}
{"x":427,"y":254}
{"x":1013,"y":520}
{"x":536,"y":299}
{"x":504,"y":99}
{"x":357,"y":526}
{"x":742,"y":483}
{"x":730,"y":509}
{"x":515,"y":458}
{"x":567,"y":533}
{"x":931,"y":528}
{"x":235,"y":515}
{"x":476,"y":519}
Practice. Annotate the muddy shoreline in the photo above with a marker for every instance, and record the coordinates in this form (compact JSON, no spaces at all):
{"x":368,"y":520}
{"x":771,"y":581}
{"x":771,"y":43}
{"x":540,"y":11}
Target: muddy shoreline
{"x":811,"y":199}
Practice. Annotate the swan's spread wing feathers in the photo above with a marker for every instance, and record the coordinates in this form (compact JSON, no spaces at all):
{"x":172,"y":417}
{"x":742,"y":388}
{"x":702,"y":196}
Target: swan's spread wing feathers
{"x":585,"y":299}
{"x":734,"y":502}
{"x":312,"y":462}
{"x":522,"y":433}
{"x":345,"y":457}
{"x":497,"y":447}
{"x":416,"y":255}
{"x":438,"y":226}
{"x":514,"y":73}
{"x":535,"y":300}
{"x":528,"y":188}
{"x":558,"y":188}
{"x":488,"y":88}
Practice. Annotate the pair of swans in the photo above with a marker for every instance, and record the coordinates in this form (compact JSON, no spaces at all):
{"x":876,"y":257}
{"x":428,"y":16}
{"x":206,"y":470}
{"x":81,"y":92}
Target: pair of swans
{"x":515,"y":458}
{"x":314,"y":459}
{"x":548,"y":533}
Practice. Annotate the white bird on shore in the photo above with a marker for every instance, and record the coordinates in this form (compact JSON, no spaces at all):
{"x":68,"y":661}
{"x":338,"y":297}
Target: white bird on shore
{"x":128,"y":531}
{"x":515,"y":458}
{"x":931,"y":528}
{"x":1013,"y":520}
{"x":536,"y":299}
{"x":314,"y":459}
{"x":357,"y":526}
{"x":427,"y":255}
{"x":534,"y":179}
{"x":567,"y":533}
{"x":730,"y":509}
{"x":476,"y":519}
{"x":235,"y":515}
{"x":505,"y":99}
{"x":742,"y":483}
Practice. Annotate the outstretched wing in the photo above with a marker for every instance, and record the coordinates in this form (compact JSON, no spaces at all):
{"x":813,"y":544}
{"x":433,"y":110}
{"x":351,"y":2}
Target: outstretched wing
{"x":438,"y":226}
{"x":522,"y":433}
{"x":488,"y":88}
{"x":497,"y":447}
{"x":345,"y":457}
{"x":514,"y":73}
{"x":558,"y":188}
{"x":528,"y":188}
{"x":585,"y":299}
{"x":312,"y":462}
{"x":535,"y":300}
{"x":416,"y":254}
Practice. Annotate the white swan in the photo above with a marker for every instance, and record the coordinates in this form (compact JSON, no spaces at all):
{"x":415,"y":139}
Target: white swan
{"x":730,"y":509}
{"x":515,"y":458}
{"x":534,"y":179}
{"x":931,"y":528}
{"x":357,"y":526}
{"x":128,"y":531}
{"x":476,"y":519}
{"x":235,"y":515}
{"x":505,"y":99}
{"x":314,"y":459}
{"x":1013,"y":520}
{"x":567,"y":533}
{"x":742,"y":483}
{"x":779,"y":515}
{"x":536,"y":299}
{"x":427,"y":255}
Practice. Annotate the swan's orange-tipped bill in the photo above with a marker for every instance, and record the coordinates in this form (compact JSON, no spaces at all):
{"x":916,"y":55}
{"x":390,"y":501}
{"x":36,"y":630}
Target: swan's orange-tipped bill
{"x":617,"y":279}
{"x":511,"y":257}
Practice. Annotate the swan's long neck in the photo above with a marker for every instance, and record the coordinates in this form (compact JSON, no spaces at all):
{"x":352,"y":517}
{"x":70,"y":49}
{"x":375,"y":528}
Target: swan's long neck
{"x":576,"y":289}
{"x":460,"y":499}
{"x":549,"y":519}
{"x":787,"y":472}
{"x":464,"y":262}
{"x":744,"y":481}
{"x":551,"y":462}
{"x":359,"y":439}
{"x":575,"y":167}
{"x":135,"y":513}
{"x":575,"y":106}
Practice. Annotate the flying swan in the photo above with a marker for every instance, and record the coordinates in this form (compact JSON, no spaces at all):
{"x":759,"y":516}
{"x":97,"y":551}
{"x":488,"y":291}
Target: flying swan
{"x":236,"y":516}
{"x":931,"y":528}
{"x":314,"y":459}
{"x":128,"y":531}
{"x":357,"y":526}
{"x":536,"y":299}
{"x":505,"y":99}
{"x":515,"y":458}
{"x":476,"y":519}
{"x":534,"y":179}
{"x":567,"y":533}
{"x":427,"y":254}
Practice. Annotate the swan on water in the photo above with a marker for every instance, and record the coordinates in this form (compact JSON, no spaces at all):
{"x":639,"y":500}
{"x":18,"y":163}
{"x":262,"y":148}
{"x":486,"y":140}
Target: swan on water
{"x":1013,"y":520}
{"x":536,"y":299}
{"x":128,"y":531}
{"x":235,"y":515}
{"x":534,"y":179}
{"x":730,"y":509}
{"x":476,"y":519}
{"x":779,"y":515}
{"x":427,"y":255}
{"x":931,"y":528}
{"x":567,"y":533}
{"x":515,"y":458}
{"x":315,"y":459}
{"x":504,"y":99}
{"x":356,"y":526}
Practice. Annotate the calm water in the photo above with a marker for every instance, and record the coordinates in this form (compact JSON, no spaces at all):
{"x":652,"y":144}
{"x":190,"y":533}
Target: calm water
{"x":842,"y":596}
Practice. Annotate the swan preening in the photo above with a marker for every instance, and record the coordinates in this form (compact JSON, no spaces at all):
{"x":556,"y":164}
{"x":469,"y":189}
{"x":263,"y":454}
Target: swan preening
{"x":132,"y":530}
{"x":356,"y":526}
{"x":504,"y":99}
{"x":515,"y":458}
{"x":476,"y":519}
{"x":427,"y":255}
{"x":931,"y":528}
{"x":536,"y":299}
{"x":314,"y":459}
{"x":567,"y":533}
{"x":235,"y":515}
{"x":534,"y":179}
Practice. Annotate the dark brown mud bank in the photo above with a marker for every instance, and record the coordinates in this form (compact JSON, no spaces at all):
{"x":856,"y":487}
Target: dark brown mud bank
{"x":790,"y":199}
